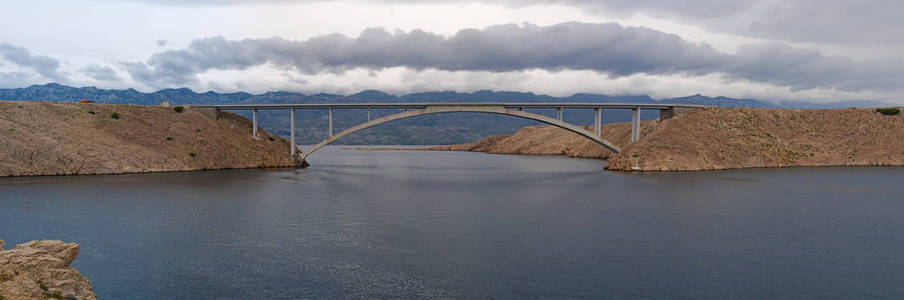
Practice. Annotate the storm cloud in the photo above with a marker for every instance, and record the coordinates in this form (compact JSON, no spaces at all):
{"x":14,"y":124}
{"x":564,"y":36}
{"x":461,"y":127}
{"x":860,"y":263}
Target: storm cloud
{"x":100,"y":73}
{"x":818,"y":21}
{"x":43,"y":65}
{"x":864,"y":22}
{"x":605,"y":48}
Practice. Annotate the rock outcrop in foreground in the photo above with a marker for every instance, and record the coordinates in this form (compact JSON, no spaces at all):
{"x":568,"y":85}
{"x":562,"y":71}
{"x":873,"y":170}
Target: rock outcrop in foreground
{"x":50,"y":138}
{"x":726,"y":138}
{"x":40,"y":270}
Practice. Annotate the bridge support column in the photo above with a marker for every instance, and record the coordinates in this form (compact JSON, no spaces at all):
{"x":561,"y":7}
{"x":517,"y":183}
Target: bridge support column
{"x":559,"y":113}
{"x":598,"y":121}
{"x":292,"y":139}
{"x":331,"y":122}
{"x":368,"y":113}
{"x":254,"y":122}
{"x":635,"y":124}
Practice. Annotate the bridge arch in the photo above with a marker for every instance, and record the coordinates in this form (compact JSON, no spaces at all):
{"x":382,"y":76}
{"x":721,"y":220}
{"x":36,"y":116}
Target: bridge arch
{"x":436,"y":109}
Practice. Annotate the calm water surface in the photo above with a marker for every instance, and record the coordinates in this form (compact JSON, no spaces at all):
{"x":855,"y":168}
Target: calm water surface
{"x":408,"y":224}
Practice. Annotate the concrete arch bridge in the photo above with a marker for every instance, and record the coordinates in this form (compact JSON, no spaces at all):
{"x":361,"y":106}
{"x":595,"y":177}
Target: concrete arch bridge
{"x":418,"y":109}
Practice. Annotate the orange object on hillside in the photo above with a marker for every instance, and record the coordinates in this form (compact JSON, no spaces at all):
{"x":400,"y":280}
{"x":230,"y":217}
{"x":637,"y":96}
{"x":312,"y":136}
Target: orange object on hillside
{"x":85,"y":101}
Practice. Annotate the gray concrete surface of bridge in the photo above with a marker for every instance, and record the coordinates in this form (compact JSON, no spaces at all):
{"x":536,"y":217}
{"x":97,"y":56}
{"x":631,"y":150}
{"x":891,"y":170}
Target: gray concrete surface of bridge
{"x":417,"y":109}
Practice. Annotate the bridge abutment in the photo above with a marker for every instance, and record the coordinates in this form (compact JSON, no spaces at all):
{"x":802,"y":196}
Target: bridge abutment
{"x":209,"y":112}
{"x":665,"y":114}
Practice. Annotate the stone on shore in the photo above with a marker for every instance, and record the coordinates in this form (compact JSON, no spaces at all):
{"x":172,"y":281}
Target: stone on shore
{"x":40,"y":270}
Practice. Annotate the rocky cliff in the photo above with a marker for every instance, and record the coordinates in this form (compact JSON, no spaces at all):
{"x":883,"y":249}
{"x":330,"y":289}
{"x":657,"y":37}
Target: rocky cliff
{"x":47,"y":138}
{"x":725,"y":138}
{"x":40,"y":270}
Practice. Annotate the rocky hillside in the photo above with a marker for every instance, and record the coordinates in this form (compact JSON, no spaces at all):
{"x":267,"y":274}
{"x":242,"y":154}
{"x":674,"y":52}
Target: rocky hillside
{"x":725,"y":138}
{"x":549,"y":140}
{"x":40,"y":270}
{"x":722,"y":138}
{"x":48,"y":138}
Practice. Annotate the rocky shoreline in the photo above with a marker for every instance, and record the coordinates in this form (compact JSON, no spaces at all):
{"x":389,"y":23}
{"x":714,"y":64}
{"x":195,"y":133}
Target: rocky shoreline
{"x":723,"y":138}
{"x":51,"y":138}
{"x":41,"y":270}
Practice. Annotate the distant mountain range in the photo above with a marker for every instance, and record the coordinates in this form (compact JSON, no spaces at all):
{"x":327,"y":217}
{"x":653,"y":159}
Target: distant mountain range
{"x":426,"y":130}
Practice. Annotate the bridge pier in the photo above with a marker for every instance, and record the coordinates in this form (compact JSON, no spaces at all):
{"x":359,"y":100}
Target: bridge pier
{"x":635,"y":124}
{"x":331,"y":121}
{"x":559,"y":113}
{"x":292,"y":139}
{"x":368,"y":113}
{"x":254,"y":122}
{"x":598,"y":121}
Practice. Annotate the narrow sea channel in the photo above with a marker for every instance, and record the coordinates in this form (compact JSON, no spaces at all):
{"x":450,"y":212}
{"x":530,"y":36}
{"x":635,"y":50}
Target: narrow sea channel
{"x":412,"y":224}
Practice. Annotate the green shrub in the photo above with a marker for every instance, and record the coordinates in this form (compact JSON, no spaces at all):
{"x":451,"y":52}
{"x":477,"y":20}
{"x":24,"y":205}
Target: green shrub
{"x":192,"y":154}
{"x":91,"y":112}
{"x":178,"y":109}
{"x":198,"y":130}
{"x":169,"y":138}
{"x":270,"y":138}
{"x":635,"y":156}
{"x":114,"y":115}
{"x":891,"y":111}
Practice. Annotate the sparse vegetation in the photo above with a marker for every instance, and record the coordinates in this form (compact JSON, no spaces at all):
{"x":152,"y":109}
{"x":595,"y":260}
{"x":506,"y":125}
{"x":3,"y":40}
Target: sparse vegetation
{"x":169,"y":138}
{"x":178,"y":109}
{"x":55,"y":295}
{"x":891,"y":111}
{"x":114,"y":115}
{"x":270,"y":138}
{"x":198,"y":130}
{"x":635,"y":156}
{"x":192,"y":154}
{"x":91,"y":112}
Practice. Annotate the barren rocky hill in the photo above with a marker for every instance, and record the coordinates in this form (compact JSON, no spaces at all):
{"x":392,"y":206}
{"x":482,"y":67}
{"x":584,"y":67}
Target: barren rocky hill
{"x":48,"y":138}
{"x":725,"y":138}
{"x":750,"y":138}
{"x":549,"y":140}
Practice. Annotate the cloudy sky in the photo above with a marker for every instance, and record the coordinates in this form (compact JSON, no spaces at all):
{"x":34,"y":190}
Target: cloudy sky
{"x":813,"y":50}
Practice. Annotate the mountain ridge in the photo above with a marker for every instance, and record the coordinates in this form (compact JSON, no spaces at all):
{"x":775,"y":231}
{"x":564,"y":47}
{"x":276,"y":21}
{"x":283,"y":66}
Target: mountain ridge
{"x":426,"y":130}
{"x":64,"y":93}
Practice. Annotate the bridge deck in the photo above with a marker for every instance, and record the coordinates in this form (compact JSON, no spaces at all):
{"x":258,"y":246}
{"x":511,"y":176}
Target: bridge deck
{"x":424,"y":105}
